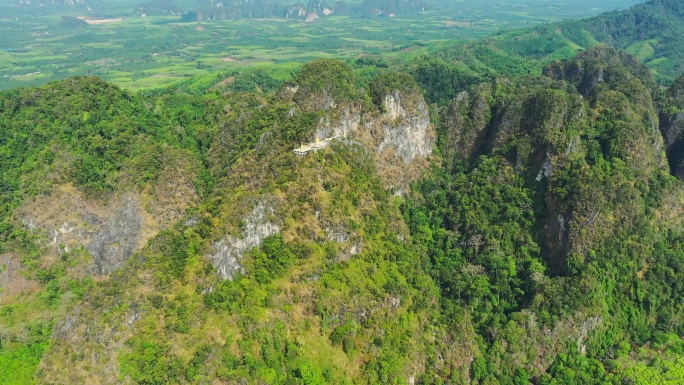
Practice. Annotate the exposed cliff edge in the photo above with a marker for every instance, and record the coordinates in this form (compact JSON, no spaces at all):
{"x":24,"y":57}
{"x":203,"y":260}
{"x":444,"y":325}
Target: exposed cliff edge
{"x":408,"y":133}
{"x":111,"y":232}
{"x":118,"y":238}
{"x":69,"y":220}
{"x":672,"y":126}
{"x":259,"y":224}
{"x":405,"y":130}
{"x":398,"y":130}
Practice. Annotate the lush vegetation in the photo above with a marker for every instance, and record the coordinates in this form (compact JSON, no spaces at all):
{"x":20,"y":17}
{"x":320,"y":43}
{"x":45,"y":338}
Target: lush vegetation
{"x":542,"y":243}
{"x":447,"y":69}
{"x":518,"y":234}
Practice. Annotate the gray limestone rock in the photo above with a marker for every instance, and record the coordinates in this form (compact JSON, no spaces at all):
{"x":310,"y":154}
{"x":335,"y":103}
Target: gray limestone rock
{"x":117,"y":239}
{"x":408,"y":133}
{"x":259,"y":224}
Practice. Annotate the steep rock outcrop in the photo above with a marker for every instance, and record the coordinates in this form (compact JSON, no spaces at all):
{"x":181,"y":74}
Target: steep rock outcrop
{"x":618,"y":121}
{"x":68,"y":219}
{"x":597,"y":107}
{"x":110,"y":233}
{"x":259,"y":224}
{"x":408,"y":133}
{"x":672,"y":126}
{"x":117,"y":238}
{"x":399,"y":132}
{"x":465,"y":121}
{"x":405,"y":130}
{"x":344,"y":127}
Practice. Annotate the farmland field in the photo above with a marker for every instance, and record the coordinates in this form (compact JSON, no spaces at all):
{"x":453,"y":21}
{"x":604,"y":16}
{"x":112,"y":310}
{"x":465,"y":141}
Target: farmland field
{"x":148,"y":52}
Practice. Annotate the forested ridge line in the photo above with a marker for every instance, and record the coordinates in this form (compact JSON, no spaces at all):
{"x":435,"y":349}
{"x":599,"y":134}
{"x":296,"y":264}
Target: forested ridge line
{"x":172,"y":236}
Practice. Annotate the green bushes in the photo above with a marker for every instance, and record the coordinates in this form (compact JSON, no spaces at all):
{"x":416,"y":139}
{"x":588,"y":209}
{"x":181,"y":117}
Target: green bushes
{"x":324,"y":78}
{"x":18,"y":364}
{"x":487,"y":278}
{"x":573,"y":368}
{"x":442,"y":81}
{"x":271,"y":260}
{"x":150,"y":363}
{"x":101,"y":129}
{"x":503,"y":264}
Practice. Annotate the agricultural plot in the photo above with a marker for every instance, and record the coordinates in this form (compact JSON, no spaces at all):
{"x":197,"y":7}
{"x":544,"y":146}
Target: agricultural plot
{"x":148,"y":52}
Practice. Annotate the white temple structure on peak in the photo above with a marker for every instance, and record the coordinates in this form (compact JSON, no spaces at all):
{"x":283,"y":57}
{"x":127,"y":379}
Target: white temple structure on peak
{"x":314,"y":146}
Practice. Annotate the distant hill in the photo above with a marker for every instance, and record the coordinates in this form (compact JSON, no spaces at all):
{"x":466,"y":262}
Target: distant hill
{"x":313,"y":10}
{"x":44,"y":6}
{"x":72,"y":22}
{"x":653,"y":32}
{"x":158,"y":8}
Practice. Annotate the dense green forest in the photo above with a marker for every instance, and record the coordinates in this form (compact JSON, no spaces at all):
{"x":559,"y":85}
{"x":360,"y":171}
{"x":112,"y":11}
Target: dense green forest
{"x":496,"y":213}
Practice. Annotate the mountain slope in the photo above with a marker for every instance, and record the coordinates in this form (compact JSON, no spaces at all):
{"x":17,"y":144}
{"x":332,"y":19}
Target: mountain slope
{"x":546,"y":244}
{"x":651,"y":31}
{"x":518,"y":230}
{"x":555,"y":217}
{"x":298,"y":238}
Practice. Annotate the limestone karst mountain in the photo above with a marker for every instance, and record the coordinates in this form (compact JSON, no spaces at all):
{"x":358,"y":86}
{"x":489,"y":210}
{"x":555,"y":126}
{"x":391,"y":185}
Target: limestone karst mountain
{"x":503,"y":230}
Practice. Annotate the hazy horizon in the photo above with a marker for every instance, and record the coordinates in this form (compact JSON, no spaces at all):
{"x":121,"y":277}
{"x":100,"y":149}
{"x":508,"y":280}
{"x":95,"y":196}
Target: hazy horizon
{"x":128,"y":40}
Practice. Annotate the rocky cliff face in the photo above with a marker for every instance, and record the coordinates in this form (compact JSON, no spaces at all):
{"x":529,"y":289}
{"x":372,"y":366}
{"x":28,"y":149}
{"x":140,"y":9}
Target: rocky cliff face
{"x":259,"y":224}
{"x":344,"y":127}
{"x":406,"y":130}
{"x":112,"y":231}
{"x":466,"y":120}
{"x":117,"y":238}
{"x":400,"y":134}
{"x":672,"y":126}
{"x":69,"y":220}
